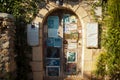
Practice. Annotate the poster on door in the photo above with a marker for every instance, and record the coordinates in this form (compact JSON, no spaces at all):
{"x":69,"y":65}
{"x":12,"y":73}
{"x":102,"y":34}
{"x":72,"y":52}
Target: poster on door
{"x":53,"y":33}
{"x":53,"y":22}
{"x":70,"y":27}
{"x":71,"y":57}
{"x":53,"y":62}
{"x":54,"y":42}
{"x":53,"y":71}
{"x":71,"y":68}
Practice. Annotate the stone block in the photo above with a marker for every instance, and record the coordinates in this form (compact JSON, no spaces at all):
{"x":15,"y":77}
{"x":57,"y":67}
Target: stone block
{"x":87,"y":75}
{"x":36,"y":66}
{"x":5,"y":45}
{"x":40,"y":42}
{"x":83,"y":14}
{"x":37,"y":76}
{"x":5,"y":15}
{"x":37,"y":54}
{"x":6,"y":23}
{"x":88,"y":54}
{"x":4,"y":51}
{"x":87,"y":65}
{"x":98,"y":11}
{"x":12,"y":65}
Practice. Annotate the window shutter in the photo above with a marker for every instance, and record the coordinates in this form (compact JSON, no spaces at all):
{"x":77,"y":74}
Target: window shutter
{"x":33,"y":34}
{"x":92,"y":35}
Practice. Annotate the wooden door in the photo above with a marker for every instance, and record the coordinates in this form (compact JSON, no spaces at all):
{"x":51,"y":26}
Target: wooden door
{"x":62,"y":48}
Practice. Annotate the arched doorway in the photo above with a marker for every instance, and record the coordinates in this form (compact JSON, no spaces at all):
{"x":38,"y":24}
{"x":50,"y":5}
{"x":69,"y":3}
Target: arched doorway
{"x":62,"y":47}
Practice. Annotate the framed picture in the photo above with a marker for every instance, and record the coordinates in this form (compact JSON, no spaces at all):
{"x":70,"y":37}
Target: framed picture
{"x":71,"y":57}
{"x":53,"y":62}
{"x":71,"y":68}
{"x":53,"y":71}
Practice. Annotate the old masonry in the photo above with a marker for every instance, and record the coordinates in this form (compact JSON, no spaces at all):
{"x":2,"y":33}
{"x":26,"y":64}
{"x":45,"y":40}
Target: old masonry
{"x":64,"y":40}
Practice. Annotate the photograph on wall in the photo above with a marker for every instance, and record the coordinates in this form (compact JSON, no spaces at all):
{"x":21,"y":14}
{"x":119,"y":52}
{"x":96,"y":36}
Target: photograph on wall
{"x":53,"y":62}
{"x":53,"y":71}
{"x":71,"y":56}
{"x":71,"y":68}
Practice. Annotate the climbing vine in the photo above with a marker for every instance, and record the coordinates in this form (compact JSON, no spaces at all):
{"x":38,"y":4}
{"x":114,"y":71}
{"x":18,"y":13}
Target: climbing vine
{"x":112,"y":43}
{"x":24,"y":11}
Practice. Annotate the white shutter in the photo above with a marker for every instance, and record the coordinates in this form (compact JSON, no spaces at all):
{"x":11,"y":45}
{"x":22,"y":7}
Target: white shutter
{"x":92,"y":35}
{"x":33,"y":34}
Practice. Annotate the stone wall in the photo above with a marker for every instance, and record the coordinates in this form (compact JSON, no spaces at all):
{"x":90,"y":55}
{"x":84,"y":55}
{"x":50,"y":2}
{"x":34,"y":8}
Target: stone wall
{"x":7,"y":52}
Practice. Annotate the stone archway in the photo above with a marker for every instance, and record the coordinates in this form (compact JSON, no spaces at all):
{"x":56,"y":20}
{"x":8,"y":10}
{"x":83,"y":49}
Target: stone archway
{"x":84,"y":17}
{"x":60,"y":13}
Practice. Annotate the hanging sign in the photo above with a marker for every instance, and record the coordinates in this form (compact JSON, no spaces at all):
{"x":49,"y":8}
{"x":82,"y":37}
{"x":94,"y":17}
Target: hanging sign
{"x":33,"y":34}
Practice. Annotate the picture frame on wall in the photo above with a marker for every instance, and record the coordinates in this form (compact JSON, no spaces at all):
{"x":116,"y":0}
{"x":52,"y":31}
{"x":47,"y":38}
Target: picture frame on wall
{"x":71,"y":57}
{"x":53,"y":71}
{"x":71,"y":68}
